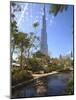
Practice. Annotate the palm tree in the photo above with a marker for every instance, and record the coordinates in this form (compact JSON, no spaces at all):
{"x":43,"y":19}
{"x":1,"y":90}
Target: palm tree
{"x":55,"y":9}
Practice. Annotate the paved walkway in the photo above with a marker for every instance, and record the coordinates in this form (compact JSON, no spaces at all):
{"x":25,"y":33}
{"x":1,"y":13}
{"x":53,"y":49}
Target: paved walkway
{"x":35,"y":76}
{"x":42,"y":75}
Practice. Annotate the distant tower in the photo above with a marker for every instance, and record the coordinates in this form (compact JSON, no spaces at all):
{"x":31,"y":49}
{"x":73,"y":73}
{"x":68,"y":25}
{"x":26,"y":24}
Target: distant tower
{"x":44,"y":46}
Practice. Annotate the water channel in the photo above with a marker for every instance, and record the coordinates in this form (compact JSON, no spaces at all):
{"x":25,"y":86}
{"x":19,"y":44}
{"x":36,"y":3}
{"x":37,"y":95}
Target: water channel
{"x":52,"y":85}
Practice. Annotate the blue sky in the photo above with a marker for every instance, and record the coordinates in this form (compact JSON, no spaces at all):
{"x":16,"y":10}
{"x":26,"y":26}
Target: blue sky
{"x":59,"y":28}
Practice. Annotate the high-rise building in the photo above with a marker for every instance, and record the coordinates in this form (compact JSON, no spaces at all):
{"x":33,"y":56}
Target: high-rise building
{"x":44,"y":46}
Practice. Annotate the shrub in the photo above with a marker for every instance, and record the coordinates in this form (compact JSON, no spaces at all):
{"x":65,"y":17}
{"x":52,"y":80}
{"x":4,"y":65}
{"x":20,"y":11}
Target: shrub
{"x":20,"y":76}
{"x":55,"y":67}
{"x":14,"y":70}
{"x":35,"y":65}
{"x":70,"y":87}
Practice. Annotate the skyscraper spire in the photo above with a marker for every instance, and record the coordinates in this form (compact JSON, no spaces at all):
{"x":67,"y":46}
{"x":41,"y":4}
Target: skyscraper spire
{"x":44,"y":46}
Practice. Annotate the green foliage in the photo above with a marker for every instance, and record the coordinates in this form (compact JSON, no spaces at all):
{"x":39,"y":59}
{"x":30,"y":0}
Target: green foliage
{"x":35,"y":65}
{"x":18,"y":75}
{"x":64,"y":70}
{"x":38,"y":54}
{"x":55,"y":9}
{"x":23,"y":60}
{"x":14,"y":27}
{"x":22,"y":40}
{"x":55,"y":67}
{"x":14,"y":8}
{"x":34,"y":40}
{"x":14,"y":70}
{"x":70,"y":87}
{"x":35,"y":24}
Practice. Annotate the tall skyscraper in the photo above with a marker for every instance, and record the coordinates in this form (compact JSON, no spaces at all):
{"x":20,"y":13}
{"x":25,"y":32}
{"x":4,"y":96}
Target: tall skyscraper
{"x":44,"y":46}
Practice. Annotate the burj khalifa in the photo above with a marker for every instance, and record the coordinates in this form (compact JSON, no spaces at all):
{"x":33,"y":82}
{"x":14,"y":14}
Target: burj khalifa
{"x":44,"y":45}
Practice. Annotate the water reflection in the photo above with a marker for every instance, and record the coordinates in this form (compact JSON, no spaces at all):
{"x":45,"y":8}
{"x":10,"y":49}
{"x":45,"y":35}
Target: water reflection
{"x":52,"y":85}
{"x":41,"y":87}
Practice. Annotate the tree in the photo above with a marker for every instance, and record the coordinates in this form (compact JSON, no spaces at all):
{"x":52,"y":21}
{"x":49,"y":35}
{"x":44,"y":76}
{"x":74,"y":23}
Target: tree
{"x":23,"y":43}
{"x":23,"y":60}
{"x":42,"y":58}
{"x":55,"y":9}
{"x":38,"y":54}
{"x":13,"y":43}
{"x":14,"y":8}
{"x":14,"y":29}
{"x":34,"y":42}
